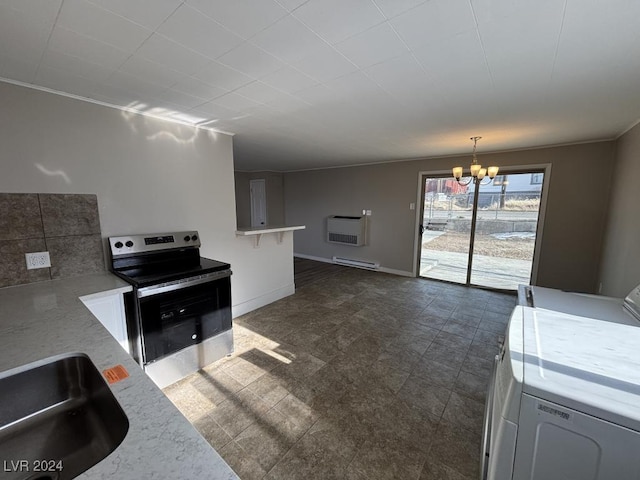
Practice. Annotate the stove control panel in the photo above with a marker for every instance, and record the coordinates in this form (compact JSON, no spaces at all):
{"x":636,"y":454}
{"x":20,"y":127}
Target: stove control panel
{"x":161,"y":239}
{"x":132,"y":244}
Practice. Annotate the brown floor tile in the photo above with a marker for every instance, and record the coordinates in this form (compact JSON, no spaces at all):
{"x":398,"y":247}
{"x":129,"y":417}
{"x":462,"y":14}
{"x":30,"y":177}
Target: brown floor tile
{"x":422,"y":395}
{"x":440,"y":374}
{"x":500,"y":308}
{"x":414,"y":337}
{"x":328,"y":380}
{"x":296,"y":411}
{"x":433,"y":470}
{"x":191,"y":403}
{"x":262,"y":357}
{"x":399,"y":358}
{"x":483,"y":350}
{"x":458,"y":328}
{"x":324,"y":452}
{"x":490,"y":338}
{"x":269,"y":438}
{"x":359,"y":375}
{"x":387,"y":458}
{"x":445,"y":354}
{"x":493,"y":326}
{"x":269,"y":389}
{"x":480,"y":366}
{"x":472,"y":386}
{"x":324,"y":348}
{"x":212,"y":432}
{"x":331,"y":436}
{"x":240,"y":411}
{"x":453,"y":340}
{"x":464,"y":412}
{"x":244,"y":371}
{"x":392,"y":378}
{"x":246,"y":467}
{"x":457,"y":449}
{"x":401,"y":421}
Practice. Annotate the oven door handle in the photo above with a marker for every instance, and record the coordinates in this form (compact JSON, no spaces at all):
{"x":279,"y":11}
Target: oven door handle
{"x":180,"y":284}
{"x":487,"y":423}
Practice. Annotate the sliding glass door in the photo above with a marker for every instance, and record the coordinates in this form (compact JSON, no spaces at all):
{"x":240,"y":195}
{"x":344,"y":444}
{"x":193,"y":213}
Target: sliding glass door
{"x":496,"y":248}
{"x":446,"y":230}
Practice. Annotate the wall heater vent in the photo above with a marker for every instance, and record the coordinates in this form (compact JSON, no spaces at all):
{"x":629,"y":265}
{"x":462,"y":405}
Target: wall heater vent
{"x":356,"y":263}
{"x":346,"y":230}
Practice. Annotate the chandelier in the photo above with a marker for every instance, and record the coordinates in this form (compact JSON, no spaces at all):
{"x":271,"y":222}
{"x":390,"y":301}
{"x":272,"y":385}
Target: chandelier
{"x":477,"y":172}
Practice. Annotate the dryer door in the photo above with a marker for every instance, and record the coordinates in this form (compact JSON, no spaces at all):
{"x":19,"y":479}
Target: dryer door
{"x":557,"y":443}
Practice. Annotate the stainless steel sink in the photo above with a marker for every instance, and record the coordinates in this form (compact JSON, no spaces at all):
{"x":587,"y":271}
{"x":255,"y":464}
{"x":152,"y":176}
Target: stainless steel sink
{"x":59,"y":411}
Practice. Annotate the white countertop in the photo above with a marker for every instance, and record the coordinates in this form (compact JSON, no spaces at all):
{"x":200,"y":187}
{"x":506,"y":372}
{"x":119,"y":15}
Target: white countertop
{"x":269,"y":229}
{"x":43,"y":319}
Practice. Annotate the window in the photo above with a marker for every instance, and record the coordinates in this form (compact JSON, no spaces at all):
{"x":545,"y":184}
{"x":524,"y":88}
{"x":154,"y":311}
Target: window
{"x":500,"y":180}
{"x":536,"y":178}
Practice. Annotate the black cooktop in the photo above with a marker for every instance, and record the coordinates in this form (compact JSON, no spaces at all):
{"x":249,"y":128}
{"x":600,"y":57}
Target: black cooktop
{"x":151,"y":274}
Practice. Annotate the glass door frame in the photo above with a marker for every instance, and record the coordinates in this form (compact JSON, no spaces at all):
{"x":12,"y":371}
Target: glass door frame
{"x":507,"y":170}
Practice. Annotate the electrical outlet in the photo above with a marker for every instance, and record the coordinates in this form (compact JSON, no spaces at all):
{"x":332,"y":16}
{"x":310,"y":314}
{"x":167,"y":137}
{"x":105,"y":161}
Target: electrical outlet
{"x":368,"y":213}
{"x":37,"y":260}
{"x":412,"y":206}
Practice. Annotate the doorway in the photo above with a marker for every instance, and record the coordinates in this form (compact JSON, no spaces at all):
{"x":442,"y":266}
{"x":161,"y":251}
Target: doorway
{"x":484,"y":238}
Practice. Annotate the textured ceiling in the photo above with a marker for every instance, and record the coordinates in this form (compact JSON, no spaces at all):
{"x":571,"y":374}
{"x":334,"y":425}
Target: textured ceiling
{"x":312,"y":83}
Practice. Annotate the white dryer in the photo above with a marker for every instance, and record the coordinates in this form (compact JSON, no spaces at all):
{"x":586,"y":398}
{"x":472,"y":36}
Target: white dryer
{"x":565,"y":400}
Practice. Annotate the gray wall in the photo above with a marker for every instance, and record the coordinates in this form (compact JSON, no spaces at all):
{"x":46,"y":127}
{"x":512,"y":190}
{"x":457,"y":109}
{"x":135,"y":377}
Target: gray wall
{"x":574,"y":222}
{"x":620,"y":269}
{"x":274,"y":194}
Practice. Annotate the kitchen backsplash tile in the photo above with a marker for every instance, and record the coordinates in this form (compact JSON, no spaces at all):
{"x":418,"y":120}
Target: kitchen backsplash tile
{"x":64,"y":215}
{"x":20,"y":216}
{"x":65,"y":225}
{"x":75,"y":255}
{"x":13,"y":267}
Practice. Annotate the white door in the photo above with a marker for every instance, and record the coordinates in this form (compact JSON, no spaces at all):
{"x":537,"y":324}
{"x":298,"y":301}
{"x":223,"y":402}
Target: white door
{"x":258,"y":203}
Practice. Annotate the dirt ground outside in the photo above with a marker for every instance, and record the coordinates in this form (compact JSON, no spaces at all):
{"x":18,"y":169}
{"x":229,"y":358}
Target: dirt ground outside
{"x":517,"y":248}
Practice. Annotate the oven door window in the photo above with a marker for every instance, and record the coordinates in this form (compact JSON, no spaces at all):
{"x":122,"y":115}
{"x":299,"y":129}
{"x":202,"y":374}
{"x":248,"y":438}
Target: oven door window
{"x":175,"y":320}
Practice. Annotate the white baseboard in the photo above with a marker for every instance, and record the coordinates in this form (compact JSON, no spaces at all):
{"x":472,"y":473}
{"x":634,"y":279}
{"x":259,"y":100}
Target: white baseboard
{"x":311,"y":257}
{"x":262,"y":300}
{"x":392,"y":271}
{"x":402,"y":273}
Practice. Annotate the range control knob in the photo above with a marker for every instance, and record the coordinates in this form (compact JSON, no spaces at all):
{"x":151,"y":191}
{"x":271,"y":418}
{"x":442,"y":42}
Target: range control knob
{"x":118,"y":245}
{"x":187,"y":238}
{"x":194,"y":237}
{"x":129,"y":243}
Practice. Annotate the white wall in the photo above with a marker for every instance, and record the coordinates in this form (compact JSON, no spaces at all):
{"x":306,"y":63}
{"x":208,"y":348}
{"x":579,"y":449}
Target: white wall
{"x":620,"y":268}
{"x":149,"y":175}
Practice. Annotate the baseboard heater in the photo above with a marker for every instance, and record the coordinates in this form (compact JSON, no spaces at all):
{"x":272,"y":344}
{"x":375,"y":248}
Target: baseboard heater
{"x":356,"y":263}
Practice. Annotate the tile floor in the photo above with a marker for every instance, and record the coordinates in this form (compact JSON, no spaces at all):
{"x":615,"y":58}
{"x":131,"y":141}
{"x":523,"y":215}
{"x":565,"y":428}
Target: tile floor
{"x":359,"y":375}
